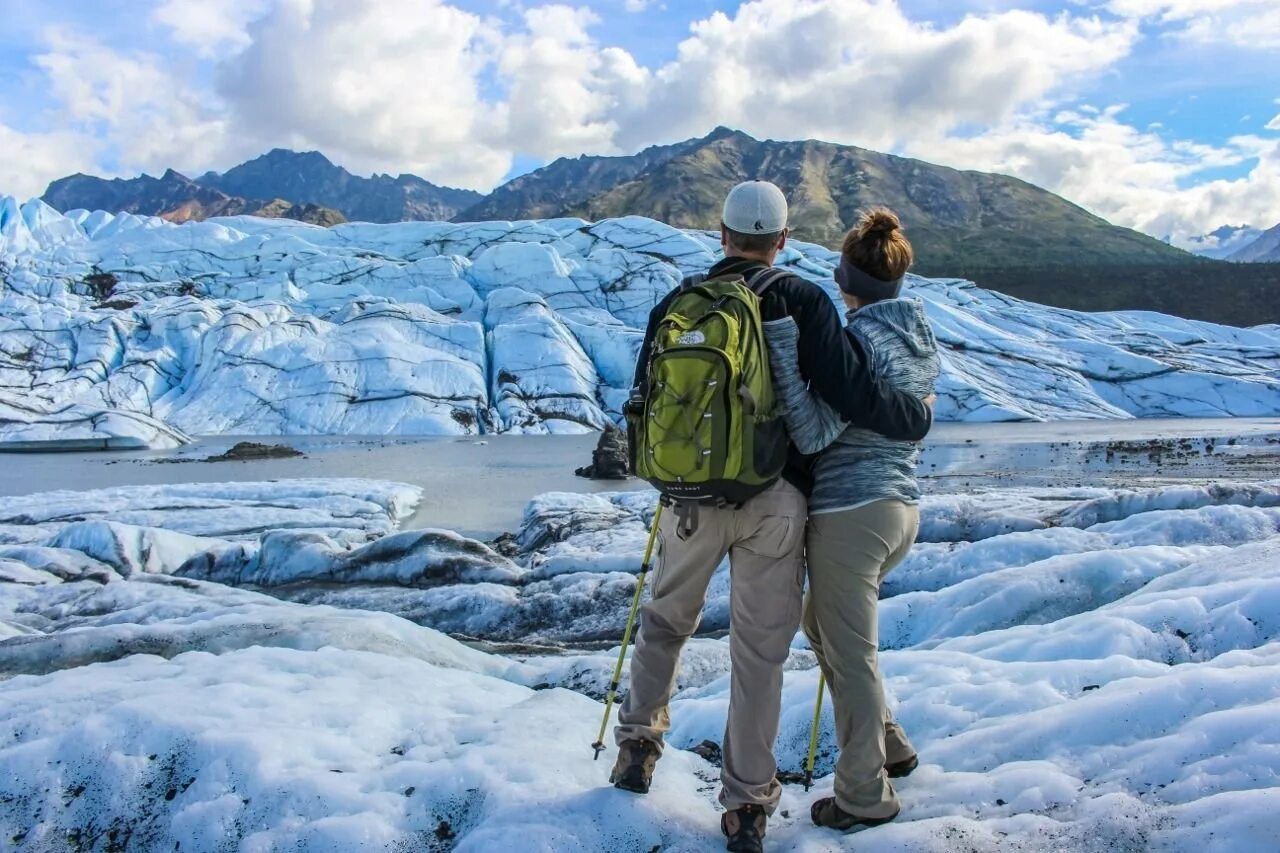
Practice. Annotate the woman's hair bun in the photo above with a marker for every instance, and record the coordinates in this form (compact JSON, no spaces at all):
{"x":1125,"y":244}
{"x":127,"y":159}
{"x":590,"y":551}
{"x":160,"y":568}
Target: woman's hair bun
{"x":878,"y":246}
{"x":879,"y":221}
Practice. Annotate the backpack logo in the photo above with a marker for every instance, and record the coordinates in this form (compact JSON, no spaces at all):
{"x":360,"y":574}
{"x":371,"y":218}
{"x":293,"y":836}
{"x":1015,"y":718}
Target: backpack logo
{"x":693,"y":338}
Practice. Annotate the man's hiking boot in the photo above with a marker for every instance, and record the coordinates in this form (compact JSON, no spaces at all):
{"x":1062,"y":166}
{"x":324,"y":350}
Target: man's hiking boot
{"x":826,"y":813}
{"x":634,"y":768}
{"x":901,"y":769}
{"x":744,"y":827}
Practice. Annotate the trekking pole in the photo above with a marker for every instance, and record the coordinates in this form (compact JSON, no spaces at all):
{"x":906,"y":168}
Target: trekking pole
{"x":813,"y":734}
{"x":598,"y":746}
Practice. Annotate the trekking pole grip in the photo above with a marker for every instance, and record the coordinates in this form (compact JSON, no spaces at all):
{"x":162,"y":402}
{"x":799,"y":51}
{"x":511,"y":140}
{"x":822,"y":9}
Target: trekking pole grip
{"x":598,"y":746}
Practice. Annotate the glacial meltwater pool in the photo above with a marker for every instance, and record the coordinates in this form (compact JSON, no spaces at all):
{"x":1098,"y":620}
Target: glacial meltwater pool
{"x":479,"y":485}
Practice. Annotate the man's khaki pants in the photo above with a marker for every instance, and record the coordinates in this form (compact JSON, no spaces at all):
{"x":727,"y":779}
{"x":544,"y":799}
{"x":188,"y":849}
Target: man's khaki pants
{"x":849,"y":554}
{"x":765,"y":542}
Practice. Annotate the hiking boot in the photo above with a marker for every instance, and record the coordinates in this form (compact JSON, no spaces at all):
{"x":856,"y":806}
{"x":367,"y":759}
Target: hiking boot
{"x":634,"y":768}
{"x":826,"y":813}
{"x":744,"y":827}
{"x":903,"y":768}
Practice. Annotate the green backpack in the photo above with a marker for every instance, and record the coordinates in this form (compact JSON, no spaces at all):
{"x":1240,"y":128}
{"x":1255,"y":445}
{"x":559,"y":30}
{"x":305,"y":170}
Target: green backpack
{"x":707,"y":429}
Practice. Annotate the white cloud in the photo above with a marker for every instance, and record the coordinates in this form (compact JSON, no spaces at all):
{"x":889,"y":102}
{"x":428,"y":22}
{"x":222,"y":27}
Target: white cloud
{"x":148,"y":115}
{"x":392,"y":84}
{"x":1132,"y":177}
{"x":210,"y":27}
{"x":1252,"y":24}
{"x":1274,"y":124}
{"x":564,"y":91}
{"x":424,"y":86}
{"x":636,"y":5}
{"x":861,"y":71}
{"x":427,"y":87}
{"x":32,"y":160}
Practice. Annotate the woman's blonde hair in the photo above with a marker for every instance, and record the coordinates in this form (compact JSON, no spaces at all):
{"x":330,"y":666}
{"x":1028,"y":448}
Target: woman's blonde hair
{"x":877,"y":246}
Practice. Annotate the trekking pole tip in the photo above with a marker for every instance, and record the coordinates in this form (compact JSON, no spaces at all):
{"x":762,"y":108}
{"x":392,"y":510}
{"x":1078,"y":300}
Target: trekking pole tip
{"x":808,"y":780}
{"x":599,"y":748}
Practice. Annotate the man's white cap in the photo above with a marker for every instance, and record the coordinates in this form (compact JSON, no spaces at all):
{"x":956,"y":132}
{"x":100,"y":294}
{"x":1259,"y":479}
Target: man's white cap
{"x":755,"y":207}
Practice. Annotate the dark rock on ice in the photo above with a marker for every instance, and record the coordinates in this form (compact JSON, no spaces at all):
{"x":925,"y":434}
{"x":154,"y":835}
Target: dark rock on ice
{"x":116,"y":305}
{"x":506,"y":544}
{"x":100,"y":284}
{"x":710,"y":752}
{"x":247,"y":450}
{"x":609,"y":461}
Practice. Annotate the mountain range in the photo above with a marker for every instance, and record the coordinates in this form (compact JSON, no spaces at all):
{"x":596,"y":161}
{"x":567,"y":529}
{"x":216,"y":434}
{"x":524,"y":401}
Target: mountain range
{"x":954,"y":218}
{"x":177,"y":198}
{"x":1238,"y":243}
{"x":311,"y":177}
{"x":316,"y":190}
{"x":1221,"y":242}
{"x":1000,"y":231}
{"x":1264,"y":248}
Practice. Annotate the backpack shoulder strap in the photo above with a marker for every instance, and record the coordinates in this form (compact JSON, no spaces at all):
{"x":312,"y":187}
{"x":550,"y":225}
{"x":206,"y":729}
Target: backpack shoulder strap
{"x":693,"y":280}
{"x":766,"y":278}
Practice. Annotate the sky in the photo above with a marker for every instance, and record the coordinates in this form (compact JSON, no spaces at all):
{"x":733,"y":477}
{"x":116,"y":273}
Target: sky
{"x":1160,"y":115}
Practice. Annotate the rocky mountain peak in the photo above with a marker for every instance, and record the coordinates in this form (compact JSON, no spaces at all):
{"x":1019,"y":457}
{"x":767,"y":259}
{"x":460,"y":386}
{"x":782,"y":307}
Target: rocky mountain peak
{"x":721,"y":132}
{"x":313,"y":159}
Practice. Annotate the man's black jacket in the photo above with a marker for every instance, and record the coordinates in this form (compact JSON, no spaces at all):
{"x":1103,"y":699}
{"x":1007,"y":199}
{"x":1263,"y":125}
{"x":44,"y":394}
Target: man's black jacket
{"x":831,"y":361}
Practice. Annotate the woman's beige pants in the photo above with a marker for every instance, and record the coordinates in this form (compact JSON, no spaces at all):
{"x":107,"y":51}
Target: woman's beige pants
{"x":849,"y":553}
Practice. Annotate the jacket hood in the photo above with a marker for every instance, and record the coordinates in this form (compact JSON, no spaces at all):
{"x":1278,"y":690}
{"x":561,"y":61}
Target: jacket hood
{"x":903,"y":316}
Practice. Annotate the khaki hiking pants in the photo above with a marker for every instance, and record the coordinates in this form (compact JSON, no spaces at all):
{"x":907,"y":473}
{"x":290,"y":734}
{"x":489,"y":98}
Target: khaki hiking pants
{"x":849,"y":554}
{"x":764,"y":540}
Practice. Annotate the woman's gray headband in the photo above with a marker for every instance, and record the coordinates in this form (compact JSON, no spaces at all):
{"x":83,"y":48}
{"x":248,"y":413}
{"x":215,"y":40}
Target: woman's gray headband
{"x":855,"y":282}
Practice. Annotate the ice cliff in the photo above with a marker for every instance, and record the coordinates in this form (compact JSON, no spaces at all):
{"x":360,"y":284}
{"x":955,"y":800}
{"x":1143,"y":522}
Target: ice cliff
{"x":132,"y":328}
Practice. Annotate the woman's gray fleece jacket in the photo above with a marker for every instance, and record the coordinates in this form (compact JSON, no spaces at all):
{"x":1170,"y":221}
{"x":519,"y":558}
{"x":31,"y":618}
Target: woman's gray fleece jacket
{"x":857,"y":466}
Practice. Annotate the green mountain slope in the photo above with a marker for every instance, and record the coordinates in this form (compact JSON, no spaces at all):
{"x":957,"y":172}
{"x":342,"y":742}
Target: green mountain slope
{"x":956,"y":219}
{"x":566,"y":183}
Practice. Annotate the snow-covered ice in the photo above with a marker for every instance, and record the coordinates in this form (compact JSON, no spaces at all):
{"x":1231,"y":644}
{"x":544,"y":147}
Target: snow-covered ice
{"x":131,"y":331}
{"x":1081,"y":669}
{"x":350,"y":507}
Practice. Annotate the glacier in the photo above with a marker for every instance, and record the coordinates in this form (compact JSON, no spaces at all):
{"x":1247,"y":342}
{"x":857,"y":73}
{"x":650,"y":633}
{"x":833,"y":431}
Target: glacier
{"x":1082,"y":668}
{"x":130,"y":331}
{"x":282,"y":664}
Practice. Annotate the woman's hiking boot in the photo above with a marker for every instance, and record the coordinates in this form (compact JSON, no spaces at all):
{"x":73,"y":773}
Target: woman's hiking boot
{"x":744,"y":827}
{"x":634,"y":768}
{"x":825,"y":812}
{"x":903,"y":768}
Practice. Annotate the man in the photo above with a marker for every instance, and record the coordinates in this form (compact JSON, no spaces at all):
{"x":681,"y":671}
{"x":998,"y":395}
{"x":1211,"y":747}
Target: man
{"x":764,"y":539}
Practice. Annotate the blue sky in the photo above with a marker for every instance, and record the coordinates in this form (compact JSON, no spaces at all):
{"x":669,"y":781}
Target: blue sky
{"x":1158,"y":114}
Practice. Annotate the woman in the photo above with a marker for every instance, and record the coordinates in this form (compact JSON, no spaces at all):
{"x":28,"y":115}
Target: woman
{"x":863,"y":515}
